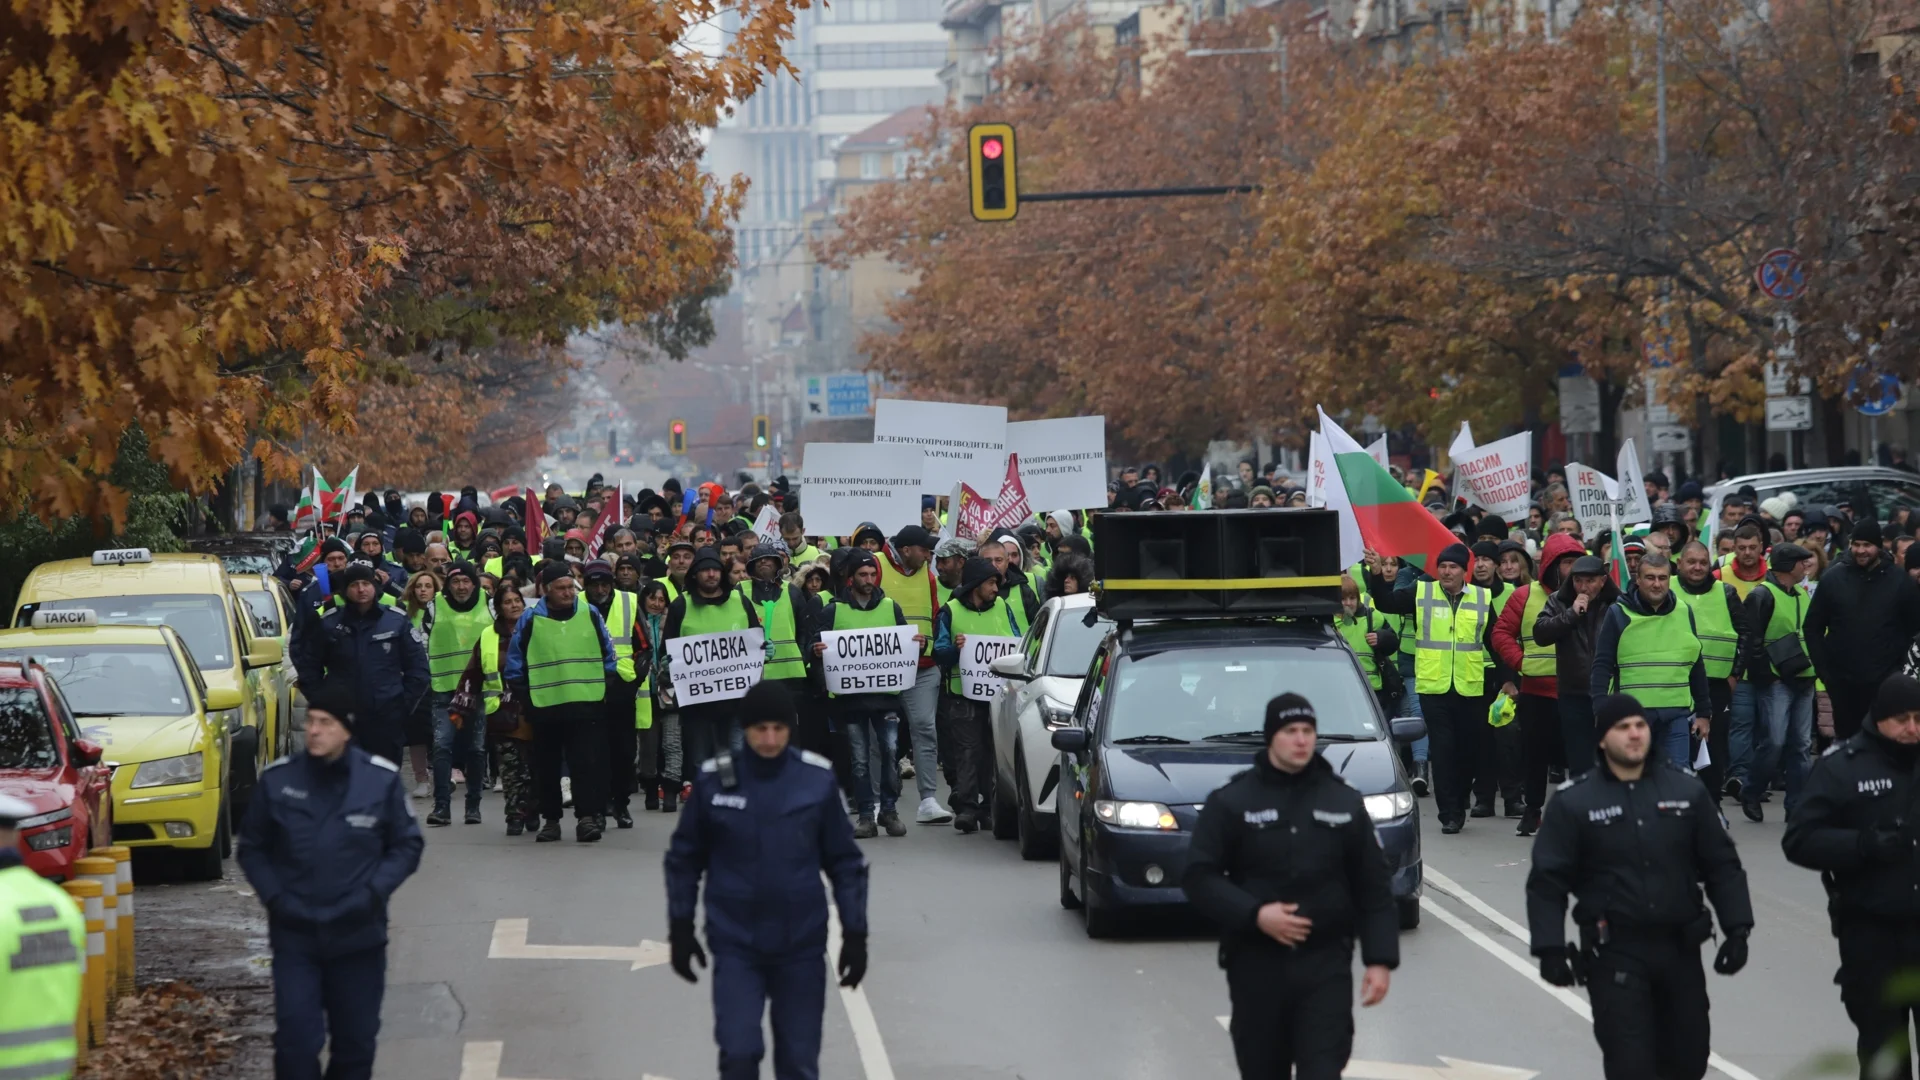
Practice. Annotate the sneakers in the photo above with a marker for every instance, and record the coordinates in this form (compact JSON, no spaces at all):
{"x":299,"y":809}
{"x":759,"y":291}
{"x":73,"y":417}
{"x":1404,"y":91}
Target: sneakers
{"x":566,"y":791}
{"x":890,"y":821}
{"x":440,"y":816}
{"x":1529,"y":823}
{"x":1421,"y":780}
{"x":864,"y":829}
{"x":1449,"y":826}
{"x":932,"y":813}
{"x":515,"y":827}
{"x":965,"y":822}
{"x":588,"y":830}
{"x":423,"y":789}
{"x":906,"y":768}
{"x":549,"y":832}
{"x":473,"y":816}
{"x":459,"y":777}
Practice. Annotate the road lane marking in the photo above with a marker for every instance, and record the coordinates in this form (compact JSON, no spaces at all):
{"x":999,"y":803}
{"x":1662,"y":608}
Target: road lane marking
{"x":1528,"y":968}
{"x":510,"y":943}
{"x":1453,"y":1069}
{"x":481,"y":1061}
{"x":866,"y":1031}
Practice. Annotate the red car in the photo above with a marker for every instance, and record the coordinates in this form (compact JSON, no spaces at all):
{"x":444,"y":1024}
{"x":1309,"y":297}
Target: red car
{"x":44,"y":761}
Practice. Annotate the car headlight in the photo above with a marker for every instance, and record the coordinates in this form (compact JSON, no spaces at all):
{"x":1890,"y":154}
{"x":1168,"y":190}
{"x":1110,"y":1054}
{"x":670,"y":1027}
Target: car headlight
{"x":1389,"y":806}
{"x":1054,"y":714}
{"x":227,"y":718}
{"x":52,"y":838}
{"x":165,"y":772}
{"x":48,"y":818}
{"x":1135,"y":815}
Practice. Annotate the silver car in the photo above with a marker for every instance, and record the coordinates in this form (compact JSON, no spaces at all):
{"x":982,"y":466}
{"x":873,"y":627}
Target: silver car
{"x":1043,"y":681}
{"x":1860,"y":486}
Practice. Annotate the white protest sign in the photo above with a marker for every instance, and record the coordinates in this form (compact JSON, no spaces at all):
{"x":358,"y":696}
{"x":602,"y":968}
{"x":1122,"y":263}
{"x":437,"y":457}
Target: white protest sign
{"x":1499,"y":474}
{"x":767,"y":524}
{"x":1592,"y":493}
{"x":1633,"y":489}
{"x":1462,"y":443}
{"x":878,"y":660}
{"x":1319,"y":463}
{"x":977,"y":654}
{"x":844,"y":484}
{"x":1377,"y":450}
{"x":1063,"y":463}
{"x":961,"y":442}
{"x":715,"y":667}
{"x":949,"y":528}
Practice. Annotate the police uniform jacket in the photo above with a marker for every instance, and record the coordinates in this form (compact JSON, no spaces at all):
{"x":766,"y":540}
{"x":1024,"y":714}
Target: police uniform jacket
{"x":376,"y":653}
{"x":1863,"y":785}
{"x":1634,"y":853}
{"x":1300,"y":838}
{"x":761,"y":845}
{"x":325,"y":845}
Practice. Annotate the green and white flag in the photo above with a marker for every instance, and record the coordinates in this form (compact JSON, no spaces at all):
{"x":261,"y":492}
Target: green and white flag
{"x":1203,"y":492}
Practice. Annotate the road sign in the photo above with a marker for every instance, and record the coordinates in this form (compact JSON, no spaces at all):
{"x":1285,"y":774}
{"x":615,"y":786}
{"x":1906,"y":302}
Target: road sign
{"x":1579,"y":405}
{"x":1881,"y":397}
{"x":1780,"y":381}
{"x":1670,"y":439}
{"x":1658,"y":350}
{"x":1781,"y":274}
{"x":1790,"y":413}
{"x":839,"y":396}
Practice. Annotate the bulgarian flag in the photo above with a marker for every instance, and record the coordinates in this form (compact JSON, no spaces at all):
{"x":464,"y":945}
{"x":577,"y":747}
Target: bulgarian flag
{"x":1616,"y":554}
{"x":1388,"y":518}
{"x":338,"y":499}
{"x":312,"y":501}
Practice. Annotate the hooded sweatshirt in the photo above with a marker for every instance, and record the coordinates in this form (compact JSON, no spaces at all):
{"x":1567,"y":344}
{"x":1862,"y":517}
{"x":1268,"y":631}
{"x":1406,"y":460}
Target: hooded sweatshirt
{"x":1506,"y":629}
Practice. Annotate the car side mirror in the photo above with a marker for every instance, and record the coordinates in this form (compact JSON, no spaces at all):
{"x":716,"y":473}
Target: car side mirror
{"x":1011,"y":666}
{"x":1408,"y":729}
{"x":86,"y":752}
{"x":1070,"y":740}
{"x":266,"y":652}
{"x":222,"y":698}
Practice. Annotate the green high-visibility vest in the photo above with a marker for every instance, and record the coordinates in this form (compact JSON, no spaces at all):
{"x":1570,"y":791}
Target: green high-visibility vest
{"x":622,"y":608}
{"x":564,"y":664}
{"x":1499,"y":609}
{"x":492,"y":685}
{"x":999,"y":620}
{"x":1655,"y":658}
{"x":715,"y":618}
{"x":43,"y":937}
{"x":917,"y":596}
{"x":495,"y":566}
{"x":1355,"y":630}
{"x":777,"y":619}
{"x":1536,"y":659}
{"x":1789,"y":617}
{"x":847,"y":617}
{"x":1713,"y":625}
{"x":1405,"y":629}
{"x":1448,"y":656}
{"x":643,"y":701}
{"x":451,"y":640}
{"x":803,"y":553}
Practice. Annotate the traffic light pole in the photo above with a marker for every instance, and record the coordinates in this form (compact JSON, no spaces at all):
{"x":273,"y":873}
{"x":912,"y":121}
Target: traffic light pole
{"x":1139,"y":193}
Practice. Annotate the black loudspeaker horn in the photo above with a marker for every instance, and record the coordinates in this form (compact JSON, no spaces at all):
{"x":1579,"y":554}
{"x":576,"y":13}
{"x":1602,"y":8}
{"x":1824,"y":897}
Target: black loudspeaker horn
{"x":1217,"y":563}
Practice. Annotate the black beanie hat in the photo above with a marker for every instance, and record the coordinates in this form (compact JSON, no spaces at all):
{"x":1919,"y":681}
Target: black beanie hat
{"x":975,"y":573}
{"x":1866,"y":531}
{"x":1612,"y":709}
{"x":1493,"y":526}
{"x":332,"y":544}
{"x":354,"y":571}
{"x":1289,"y":708}
{"x":707,"y":558}
{"x":1899,"y":694}
{"x":1454,"y":553}
{"x":1486,"y":549}
{"x":334,"y":699}
{"x":766,"y":701}
{"x":1913,"y":557}
{"x":553,"y":570}
{"x":410,"y":542}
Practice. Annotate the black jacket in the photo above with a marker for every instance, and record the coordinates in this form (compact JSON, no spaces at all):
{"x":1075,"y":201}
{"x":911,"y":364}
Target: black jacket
{"x":1606,"y":648}
{"x":1303,"y":838}
{"x":1573,"y":635}
{"x":1634,"y":853}
{"x":1863,"y":785}
{"x":1860,"y":621}
{"x":1753,"y":664}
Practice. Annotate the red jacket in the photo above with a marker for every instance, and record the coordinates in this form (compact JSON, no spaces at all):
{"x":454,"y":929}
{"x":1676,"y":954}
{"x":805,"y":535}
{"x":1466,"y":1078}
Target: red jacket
{"x":1506,"y":629}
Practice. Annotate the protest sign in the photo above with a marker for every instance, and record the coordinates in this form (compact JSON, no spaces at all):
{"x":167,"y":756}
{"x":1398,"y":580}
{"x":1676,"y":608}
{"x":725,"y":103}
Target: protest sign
{"x":1319,"y":465}
{"x":977,"y":654}
{"x":1010,"y":507}
{"x":1062,"y":462}
{"x":950,"y":524}
{"x":1592,"y":493}
{"x":1633,"y":487}
{"x":715,"y":667}
{"x":961,"y":442}
{"x":1499,"y":475}
{"x":767,"y":525}
{"x":877,"y":660}
{"x":1377,"y":450}
{"x":974,"y":514}
{"x":844,"y":484}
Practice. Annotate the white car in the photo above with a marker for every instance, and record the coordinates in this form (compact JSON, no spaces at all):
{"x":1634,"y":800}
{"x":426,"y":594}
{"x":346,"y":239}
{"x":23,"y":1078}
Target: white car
{"x":1043,"y":682}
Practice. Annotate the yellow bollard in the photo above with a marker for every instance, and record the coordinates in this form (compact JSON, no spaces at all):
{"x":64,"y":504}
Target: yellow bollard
{"x":81,"y":1020}
{"x":122,"y":857}
{"x":107,"y":873}
{"x":96,"y":980}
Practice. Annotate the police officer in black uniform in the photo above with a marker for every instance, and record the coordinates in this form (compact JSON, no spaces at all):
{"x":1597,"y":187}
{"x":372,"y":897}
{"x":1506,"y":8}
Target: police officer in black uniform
{"x":1856,"y":824}
{"x":1285,"y":859}
{"x":1632,"y":841}
{"x":329,"y":836}
{"x":760,"y":829}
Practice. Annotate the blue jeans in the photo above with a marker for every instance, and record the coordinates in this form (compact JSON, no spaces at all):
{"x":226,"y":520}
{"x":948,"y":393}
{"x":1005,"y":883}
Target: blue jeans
{"x":873,"y":744}
{"x":469,"y":742}
{"x":1672,"y":728}
{"x":1744,"y":732}
{"x":1786,"y":716}
{"x":1410,"y":705}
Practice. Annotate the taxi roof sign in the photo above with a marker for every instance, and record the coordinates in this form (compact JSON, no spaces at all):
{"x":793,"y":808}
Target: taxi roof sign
{"x":54,"y":618}
{"x":121,"y":556}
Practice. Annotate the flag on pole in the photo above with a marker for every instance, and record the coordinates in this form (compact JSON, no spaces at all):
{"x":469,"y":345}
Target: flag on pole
{"x":1616,"y":554}
{"x":340,"y":498}
{"x":534,"y":521}
{"x":1203,"y":492}
{"x":313,"y":501}
{"x":604,"y":524}
{"x":974,"y":513}
{"x":1010,"y":507}
{"x":1391,"y":521}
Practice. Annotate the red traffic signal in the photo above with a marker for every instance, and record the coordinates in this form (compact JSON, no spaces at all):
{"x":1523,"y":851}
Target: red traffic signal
{"x":991,"y":149}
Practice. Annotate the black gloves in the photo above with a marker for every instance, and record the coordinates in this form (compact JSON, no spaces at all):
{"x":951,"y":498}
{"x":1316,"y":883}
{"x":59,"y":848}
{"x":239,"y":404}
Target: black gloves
{"x":1884,"y":845}
{"x":1733,"y":953}
{"x":853,"y":960}
{"x":1554,"y":967}
{"x":686,"y":949}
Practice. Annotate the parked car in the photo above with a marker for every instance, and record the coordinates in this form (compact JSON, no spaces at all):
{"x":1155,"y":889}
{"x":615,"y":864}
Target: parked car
{"x":1859,"y":486}
{"x":1043,"y":680}
{"x":45,"y":763}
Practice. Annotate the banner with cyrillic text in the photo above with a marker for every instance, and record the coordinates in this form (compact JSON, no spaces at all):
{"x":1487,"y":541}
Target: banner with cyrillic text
{"x":1063,"y":462}
{"x":715,"y":667}
{"x":844,"y":484}
{"x":879,"y":660}
{"x":1593,"y":495}
{"x":977,"y":654}
{"x":1499,"y":475}
{"x":962,"y":443}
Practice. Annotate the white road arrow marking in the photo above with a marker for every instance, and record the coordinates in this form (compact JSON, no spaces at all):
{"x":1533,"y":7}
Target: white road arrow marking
{"x":510,"y":943}
{"x":1454,"y":1069}
{"x":866,"y":1031}
{"x":481,"y":1061}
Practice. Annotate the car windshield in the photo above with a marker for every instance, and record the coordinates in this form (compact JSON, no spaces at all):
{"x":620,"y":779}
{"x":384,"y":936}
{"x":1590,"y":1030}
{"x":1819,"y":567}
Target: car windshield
{"x":26,"y":732}
{"x":249,"y":562}
{"x":1885,"y":495}
{"x":1221,"y":694}
{"x":201,"y":621}
{"x":266,"y":613}
{"x":112,"y":680}
{"x":1074,"y":642}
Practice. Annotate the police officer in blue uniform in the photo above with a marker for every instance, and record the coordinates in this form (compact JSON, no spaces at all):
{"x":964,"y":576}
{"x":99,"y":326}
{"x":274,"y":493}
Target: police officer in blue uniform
{"x":371,"y":648}
{"x":761,"y":829}
{"x":329,"y":836}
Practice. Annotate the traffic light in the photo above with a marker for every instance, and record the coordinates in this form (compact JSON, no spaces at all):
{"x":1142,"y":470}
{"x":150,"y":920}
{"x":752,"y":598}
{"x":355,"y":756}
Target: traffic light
{"x":991,"y":175}
{"x":677,"y":437}
{"x":761,"y":434}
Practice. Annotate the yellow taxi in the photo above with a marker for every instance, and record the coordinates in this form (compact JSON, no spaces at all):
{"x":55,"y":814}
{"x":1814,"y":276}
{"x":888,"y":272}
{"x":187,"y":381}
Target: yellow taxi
{"x":273,"y":611}
{"x":136,"y":691}
{"x":191,"y":594}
